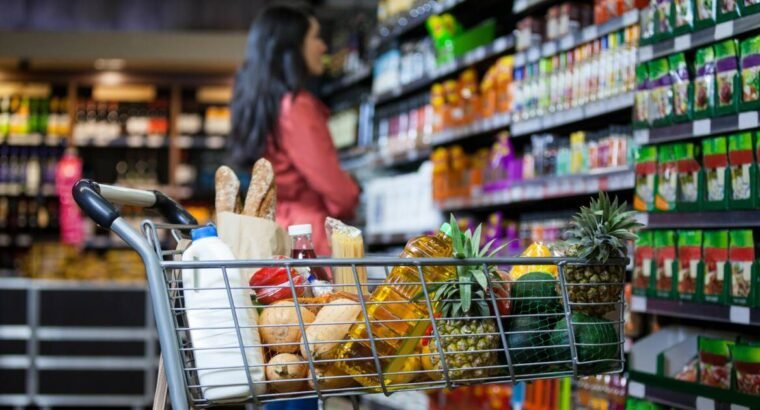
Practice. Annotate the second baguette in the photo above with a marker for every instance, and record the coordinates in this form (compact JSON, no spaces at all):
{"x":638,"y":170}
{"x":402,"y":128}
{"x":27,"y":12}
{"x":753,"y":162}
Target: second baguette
{"x":262,"y":178}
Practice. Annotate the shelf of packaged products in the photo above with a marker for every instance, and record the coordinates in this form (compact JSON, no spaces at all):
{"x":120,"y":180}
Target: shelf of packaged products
{"x":31,"y":140}
{"x":573,"y":115}
{"x":497,"y":47}
{"x":521,"y":6}
{"x":615,"y":179}
{"x":387,"y":239}
{"x":213,"y":142}
{"x":686,"y":395}
{"x":131,"y":141}
{"x":45,"y":191}
{"x":698,"y":128}
{"x":692,"y":310}
{"x":492,"y":124}
{"x":572,"y":40}
{"x":21,"y":240}
{"x":411,"y":19}
{"x":700,"y":38}
{"x":411,"y":156}
{"x":347,"y":81}
{"x":703,"y":220}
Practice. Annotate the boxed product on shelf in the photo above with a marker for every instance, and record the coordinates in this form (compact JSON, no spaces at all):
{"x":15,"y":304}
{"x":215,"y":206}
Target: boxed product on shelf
{"x":646,"y":23}
{"x":641,"y":99}
{"x":715,"y":162}
{"x":661,"y":107}
{"x":665,"y":256}
{"x":682,"y":16}
{"x":646,"y":179}
{"x":663,"y":28}
{"x":690,"y":266}
{"x":727,"y":87}
{"x":750,"y":74}
{"x":728,"y":10}
{"x":643,"y":265}
{"x":716,"y":267}
{"x":707,"y":13}
{"x":683,"y":89}
{"x":714,"y":362}
{"x":743,"y":271}
{"x":504,"y":167}
{"x":743,"y":171}
{"x":704,"y":82}
{"x":746,"y":358}
{"x":691,"y":182}
{"x":747,"y":7}
{"x":667,"y":179}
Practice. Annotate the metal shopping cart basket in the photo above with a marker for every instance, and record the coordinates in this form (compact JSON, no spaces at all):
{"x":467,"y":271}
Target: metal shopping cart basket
{"x":320,"y":346}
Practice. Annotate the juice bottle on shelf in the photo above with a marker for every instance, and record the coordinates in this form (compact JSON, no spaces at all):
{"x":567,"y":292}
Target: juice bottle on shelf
{"x":399,"y":337}
{"x":468,"y":82}
{"x":488,"y":92}
{"x":504,"y":84}
{"x":440,"y":159}
{"x":458,"y":175}
{"x":438,"y":102}
{"x":455,"y":110}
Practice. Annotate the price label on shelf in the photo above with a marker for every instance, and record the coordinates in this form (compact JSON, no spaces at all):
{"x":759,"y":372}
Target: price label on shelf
{"x":549,"y":49}
{"x":500,"y":44}
{"x":724,"y":30}
{"x":703,"y":403}
{"x":590,"y":33}
{"x":748,"y":120}
{"x":701,"y":127}
{"x":637,"y":390}
{"x":738,"y":407}
{"x":567,"y":42}
{"x":135,"y":141}
{"x":639,"y":303}
{"x":641,"y":136}
{"x":683,"y":42}
{"x":645,"y":53}
{"x":739,"y":314}
{"x":184,"y":141}
{"x":630,"y":18}
{"x":534,"y":53}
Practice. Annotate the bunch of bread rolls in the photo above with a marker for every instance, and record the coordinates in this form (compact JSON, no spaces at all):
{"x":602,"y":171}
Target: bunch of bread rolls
{"x":261,"y":199}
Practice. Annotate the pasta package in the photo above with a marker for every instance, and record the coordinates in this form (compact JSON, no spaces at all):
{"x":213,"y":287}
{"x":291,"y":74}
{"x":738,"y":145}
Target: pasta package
{"x":346,"y":242}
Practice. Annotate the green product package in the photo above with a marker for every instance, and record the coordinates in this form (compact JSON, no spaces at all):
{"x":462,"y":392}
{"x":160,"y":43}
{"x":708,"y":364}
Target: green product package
{"x":743,"y":171}
{"x":643,"y":264}
{"x":665,"y":259}
{"x":661,"y":93}
{"x":728,"y":10}
{"x":750,"y":74}
{"x":747,"y":7}
{"x":683,"y":92}
{"x":746,"y":358}
{"x":641,"y":98}
{"x":646,"y":24}
{"x":646,"y":178}
{"x":741,"y":256}
{"x":704,"y":83}
{"x":727,"y":77}
{"x":714,"y":362}
{"x":663,"y":29}
{"x":682,"y":16}
{"x":691,"y":179}
{"x":716,"y":267}
{"x":667,"y":179}
{"x":715,"y":164}
{"x":690,"y":267}
{"x":707,"y":13}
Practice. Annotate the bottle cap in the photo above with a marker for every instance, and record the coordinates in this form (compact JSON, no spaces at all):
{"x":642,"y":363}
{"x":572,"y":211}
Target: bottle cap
{"x":294,"y":230}
{"x":204,"y":232}
{"x":445,"y":228}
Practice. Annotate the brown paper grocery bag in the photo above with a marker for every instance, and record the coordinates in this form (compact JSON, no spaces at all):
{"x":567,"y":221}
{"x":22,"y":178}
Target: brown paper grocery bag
{"x":252,"y":238}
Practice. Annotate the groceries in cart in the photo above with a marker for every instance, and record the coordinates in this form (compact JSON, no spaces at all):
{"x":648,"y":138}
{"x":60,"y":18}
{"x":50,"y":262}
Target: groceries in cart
{"x":465,"y":320}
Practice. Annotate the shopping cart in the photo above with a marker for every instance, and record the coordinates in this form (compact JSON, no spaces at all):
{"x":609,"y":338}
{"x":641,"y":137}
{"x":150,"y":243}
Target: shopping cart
{"x":530,"y":340}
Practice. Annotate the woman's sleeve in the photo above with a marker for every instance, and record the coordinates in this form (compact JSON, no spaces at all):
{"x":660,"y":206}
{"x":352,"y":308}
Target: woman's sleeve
{"x":306,"y":139}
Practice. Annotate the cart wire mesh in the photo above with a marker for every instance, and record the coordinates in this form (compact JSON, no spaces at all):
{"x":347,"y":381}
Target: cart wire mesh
{"x":350,"y":343}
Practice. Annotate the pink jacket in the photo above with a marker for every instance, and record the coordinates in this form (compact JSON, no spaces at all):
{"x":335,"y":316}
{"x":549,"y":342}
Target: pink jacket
{"x":310,"y":183}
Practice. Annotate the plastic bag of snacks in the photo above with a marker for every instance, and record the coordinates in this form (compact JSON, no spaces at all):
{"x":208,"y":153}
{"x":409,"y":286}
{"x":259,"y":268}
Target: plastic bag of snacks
{"x":746,"y":358}
{"x":714,"y":362}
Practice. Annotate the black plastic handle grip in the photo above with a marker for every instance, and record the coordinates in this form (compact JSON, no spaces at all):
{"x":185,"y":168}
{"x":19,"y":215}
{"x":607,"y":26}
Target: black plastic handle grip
{"x":88,"y":196}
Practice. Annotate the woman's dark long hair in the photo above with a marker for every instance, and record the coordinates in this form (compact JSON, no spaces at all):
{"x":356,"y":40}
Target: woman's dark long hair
{"x":274,"y":66}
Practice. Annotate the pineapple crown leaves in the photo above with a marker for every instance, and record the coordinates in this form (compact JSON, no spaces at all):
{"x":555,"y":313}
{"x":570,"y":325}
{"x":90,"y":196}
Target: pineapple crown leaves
{"x":600,"y":231}
{"x":456,"y":296}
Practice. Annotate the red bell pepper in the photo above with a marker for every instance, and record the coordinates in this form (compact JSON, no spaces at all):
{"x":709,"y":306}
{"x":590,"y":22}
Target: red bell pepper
{"x":278,"y":279}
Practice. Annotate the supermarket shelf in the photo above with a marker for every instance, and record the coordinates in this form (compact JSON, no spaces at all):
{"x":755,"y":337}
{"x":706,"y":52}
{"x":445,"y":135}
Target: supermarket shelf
{"x":70,"y":284}
{"x":697,"y":220}
{"x":347,"y":81}
{"x":698,"y":128}
{"x":92,"y":400}
{"x":409,"y":157}
{"x":497,"y":47}
{"x":132,"y":141}
{"x":55,"y":333}
{"x":387,"y":239}
{"x":213,"y":142}
{"x":700,"y":38}
{"x":546,"y":188}
{"x":495,"y":123}
{"x":521,"y":6}
{"x":22,"y":240}
{"x":29,"y":140}
{"x":410,"y":20}
{"x":45,"y":191}
{"x":570,"y":41}
{"x":701,"y":311}
{"x":686,"y":395}
{"x":573,"y":115}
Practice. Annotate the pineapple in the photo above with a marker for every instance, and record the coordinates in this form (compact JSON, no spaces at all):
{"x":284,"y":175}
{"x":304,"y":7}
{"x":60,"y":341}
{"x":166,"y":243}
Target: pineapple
{"x":463,"y":302}
{"x":598,"y":232}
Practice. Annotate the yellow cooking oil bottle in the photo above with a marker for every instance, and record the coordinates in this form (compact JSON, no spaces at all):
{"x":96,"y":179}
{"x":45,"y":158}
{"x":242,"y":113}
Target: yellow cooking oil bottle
{"x":395,"y":316}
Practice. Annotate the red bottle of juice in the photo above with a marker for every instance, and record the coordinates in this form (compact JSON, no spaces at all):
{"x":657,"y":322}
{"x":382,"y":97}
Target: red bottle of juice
{"x":303,"y":248}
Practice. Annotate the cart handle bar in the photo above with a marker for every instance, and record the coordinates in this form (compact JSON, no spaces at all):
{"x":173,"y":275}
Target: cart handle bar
{"x":94,"y":199}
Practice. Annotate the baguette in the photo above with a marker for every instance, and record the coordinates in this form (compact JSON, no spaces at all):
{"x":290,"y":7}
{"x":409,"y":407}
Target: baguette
{"x":268,"y":205}
{"x":227,"y":186}
{"x":261,"y":179}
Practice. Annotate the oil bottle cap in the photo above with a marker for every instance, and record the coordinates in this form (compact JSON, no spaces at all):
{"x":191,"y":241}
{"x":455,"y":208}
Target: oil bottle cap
{"x":295,"y":230}
{"x":446,"y":229}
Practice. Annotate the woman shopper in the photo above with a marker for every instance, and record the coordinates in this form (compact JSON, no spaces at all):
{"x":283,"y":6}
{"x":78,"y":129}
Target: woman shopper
{"x":274,"y":116}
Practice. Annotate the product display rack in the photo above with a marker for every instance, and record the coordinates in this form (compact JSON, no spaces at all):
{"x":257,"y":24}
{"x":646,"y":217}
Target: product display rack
{"x":704,"y":220}
{"x":684,"y":395}
{"x":412,"y":19}
{"x":700,"y":311}
{"x":698,"y":128}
